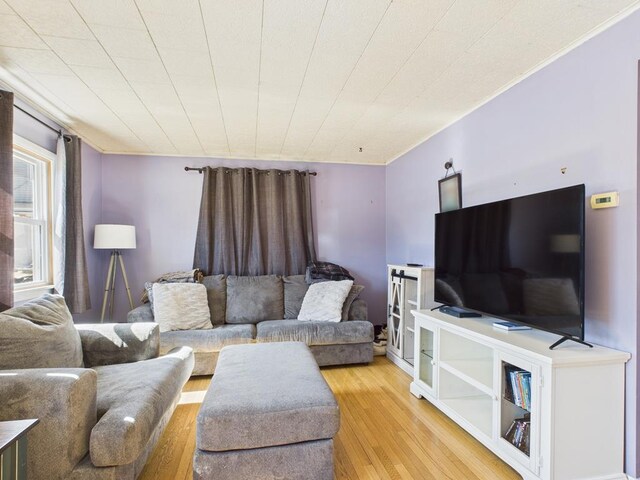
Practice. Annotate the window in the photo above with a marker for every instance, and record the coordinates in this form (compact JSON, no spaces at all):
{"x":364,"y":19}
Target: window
{"x":32,"y":219}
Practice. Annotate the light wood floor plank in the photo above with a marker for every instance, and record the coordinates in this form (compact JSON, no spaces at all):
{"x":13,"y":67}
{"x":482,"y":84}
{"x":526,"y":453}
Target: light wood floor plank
{"x":385,"y":434}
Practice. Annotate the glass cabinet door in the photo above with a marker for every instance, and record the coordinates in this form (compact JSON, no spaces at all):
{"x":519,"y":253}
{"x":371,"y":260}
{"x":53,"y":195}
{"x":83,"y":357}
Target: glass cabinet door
{"x":426,"y":365}
{"x":518,"y":420}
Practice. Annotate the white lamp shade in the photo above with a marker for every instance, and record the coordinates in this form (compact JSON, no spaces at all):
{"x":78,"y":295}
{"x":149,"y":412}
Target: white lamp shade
{"x":114,"y":237}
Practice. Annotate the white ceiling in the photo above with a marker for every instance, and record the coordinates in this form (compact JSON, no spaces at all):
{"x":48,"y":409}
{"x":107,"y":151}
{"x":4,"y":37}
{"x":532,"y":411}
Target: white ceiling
{"x":278,"y":79}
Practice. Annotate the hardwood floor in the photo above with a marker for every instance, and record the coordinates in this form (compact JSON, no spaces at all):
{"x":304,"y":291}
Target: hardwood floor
{"x":385,"y":433}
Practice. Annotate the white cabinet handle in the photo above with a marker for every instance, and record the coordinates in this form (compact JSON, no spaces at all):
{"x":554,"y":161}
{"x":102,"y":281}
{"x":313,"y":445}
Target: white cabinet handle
{"x":433,"y":362}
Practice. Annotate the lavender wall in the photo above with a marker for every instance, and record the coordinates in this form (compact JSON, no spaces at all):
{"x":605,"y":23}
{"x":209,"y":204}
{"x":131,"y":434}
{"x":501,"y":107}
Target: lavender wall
{"x":580,"y":112}
{"x":162,"y":200}
{"x":33,"y":131}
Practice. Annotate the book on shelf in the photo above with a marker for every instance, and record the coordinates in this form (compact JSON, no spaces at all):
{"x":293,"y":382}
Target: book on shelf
{"x":517,"y":386}
{"x":518,"y":434}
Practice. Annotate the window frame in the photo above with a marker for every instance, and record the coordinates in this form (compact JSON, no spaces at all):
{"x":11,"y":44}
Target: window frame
{"x":44,"y":161}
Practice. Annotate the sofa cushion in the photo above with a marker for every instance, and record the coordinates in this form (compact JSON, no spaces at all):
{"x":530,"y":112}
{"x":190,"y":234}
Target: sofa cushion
{"x":324,"y":301}
{"x":39,"y":334}
{"x":295,"y":288}
{"x":354,"y":293}
{"x":216,"y":286}
{"x":254,"y":299}
{"x":132,"y":399}
{"x":358,"y":310}
{"x":207,"y":340}
{"x":110,"y":343}
{"x":315,"y":333}
{"x":181,"y":306}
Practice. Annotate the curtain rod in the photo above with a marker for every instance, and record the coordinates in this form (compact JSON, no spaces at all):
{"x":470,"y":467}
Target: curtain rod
{"x":200,"y":170}
{"x":59,"y":132}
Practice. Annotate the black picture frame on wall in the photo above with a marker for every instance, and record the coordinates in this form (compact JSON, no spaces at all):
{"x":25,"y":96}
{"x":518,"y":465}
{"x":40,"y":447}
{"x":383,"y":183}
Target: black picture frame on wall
{"x":450,"y":192}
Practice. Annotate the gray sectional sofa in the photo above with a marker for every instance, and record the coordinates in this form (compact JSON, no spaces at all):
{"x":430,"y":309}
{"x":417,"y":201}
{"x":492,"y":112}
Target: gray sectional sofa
{"x":101,"y":392}
{"x":265,"y":308}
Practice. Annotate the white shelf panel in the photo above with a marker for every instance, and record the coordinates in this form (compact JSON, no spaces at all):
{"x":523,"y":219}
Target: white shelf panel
{"x":476,"y":410}
{"x":412,"y":302}
{"x":478,"y":372}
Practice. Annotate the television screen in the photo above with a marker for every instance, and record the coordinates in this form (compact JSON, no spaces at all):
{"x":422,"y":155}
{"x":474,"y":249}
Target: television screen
{"x":520,"y":259}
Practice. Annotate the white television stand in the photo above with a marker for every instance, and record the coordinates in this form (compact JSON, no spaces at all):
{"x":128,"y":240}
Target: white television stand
{"x":550,"y":414}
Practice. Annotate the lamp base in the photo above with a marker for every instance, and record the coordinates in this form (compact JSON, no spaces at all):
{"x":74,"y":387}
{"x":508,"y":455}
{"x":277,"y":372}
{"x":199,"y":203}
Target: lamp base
{"x":110,"y":284}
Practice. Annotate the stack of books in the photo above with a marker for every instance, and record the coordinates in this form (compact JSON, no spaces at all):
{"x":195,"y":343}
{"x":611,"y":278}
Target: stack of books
{"x":518,"y":386}
{"x":518,"y":434}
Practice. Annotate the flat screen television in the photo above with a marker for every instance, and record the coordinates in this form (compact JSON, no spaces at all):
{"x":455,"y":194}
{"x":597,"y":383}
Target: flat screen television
{"x":520,"y":259}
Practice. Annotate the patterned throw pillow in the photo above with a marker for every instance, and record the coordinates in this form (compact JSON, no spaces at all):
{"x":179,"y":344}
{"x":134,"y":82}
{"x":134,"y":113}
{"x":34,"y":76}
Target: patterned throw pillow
{"x":181,"y":306}
{"x":323,"y":301}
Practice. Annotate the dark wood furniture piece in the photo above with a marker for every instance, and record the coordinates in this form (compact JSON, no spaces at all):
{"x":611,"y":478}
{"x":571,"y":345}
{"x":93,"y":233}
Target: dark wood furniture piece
{"x":13,"y":448}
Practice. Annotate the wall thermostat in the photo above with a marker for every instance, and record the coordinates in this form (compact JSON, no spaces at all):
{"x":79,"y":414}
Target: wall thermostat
{"x":605,"y":200}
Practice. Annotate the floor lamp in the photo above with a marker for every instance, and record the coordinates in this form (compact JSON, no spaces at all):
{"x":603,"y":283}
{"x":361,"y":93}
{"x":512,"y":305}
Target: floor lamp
{"x":114,"y":238}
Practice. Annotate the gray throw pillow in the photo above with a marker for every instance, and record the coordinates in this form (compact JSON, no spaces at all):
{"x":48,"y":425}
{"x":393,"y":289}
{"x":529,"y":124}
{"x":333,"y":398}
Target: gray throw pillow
{"x":254,"y":299}
{"x":355,"y":291}
{"x":295,"y":288}
{"x":39,"y":334}
{"x":148,"y":286}
{"x":217,"y":297}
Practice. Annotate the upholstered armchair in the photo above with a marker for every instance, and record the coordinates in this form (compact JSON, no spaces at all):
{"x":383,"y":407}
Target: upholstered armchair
{"x":101,"y":392}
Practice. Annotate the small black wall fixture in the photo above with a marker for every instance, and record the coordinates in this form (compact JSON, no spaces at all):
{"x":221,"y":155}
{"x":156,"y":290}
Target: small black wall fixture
{"x":450,"y":189}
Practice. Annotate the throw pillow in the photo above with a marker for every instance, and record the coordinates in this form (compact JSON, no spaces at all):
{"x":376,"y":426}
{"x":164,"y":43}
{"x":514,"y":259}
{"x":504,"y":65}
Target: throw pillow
{"x":216,"y":286}
{"x":181,"y":306}
{"x":323,"y":301}
{"x":355,"y":291}
{"x":254,"y":299}
{"x":39,"y":334}
{"x":148,"y":287}
{"x":295,"y":288}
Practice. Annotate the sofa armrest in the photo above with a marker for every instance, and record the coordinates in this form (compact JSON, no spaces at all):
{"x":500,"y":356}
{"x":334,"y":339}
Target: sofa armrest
{"x":64,"y":400}
{"x":143,"y":313}
{"x":358,"y":310}
{"x":111,"y":343}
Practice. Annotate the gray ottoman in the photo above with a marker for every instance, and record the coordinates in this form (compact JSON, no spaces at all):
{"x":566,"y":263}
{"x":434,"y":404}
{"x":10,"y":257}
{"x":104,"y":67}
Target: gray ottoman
{"x":268,"y":414}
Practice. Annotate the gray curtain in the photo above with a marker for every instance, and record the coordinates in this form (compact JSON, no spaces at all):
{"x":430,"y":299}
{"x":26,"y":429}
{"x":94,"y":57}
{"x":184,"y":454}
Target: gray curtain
{"x":254,"y":222}
{"x":76,"y":282}
{"x":6,"y":200}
